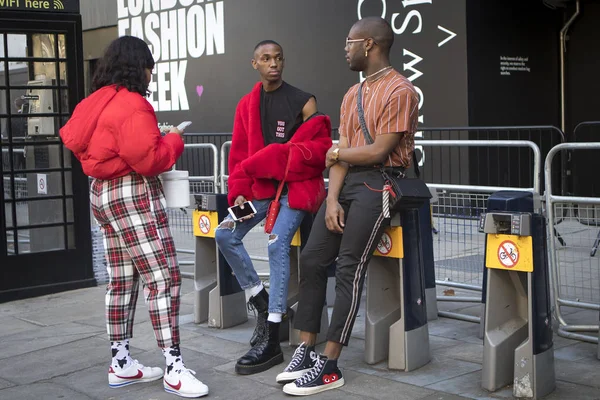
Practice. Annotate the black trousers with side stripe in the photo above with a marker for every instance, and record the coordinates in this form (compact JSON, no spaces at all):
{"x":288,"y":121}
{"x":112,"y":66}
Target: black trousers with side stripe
{"x":364,"y":225}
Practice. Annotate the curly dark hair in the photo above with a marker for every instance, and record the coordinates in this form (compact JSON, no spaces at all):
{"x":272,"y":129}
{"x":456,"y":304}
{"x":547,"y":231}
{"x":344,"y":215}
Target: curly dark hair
{"x":123,"y":64}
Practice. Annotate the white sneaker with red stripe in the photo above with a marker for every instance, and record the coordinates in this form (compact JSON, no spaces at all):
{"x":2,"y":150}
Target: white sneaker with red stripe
{"x":184,"y":384}
{"x":136,"y":373}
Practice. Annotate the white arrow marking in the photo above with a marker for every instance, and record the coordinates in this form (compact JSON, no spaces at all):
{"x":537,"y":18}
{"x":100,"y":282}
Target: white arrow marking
{"x":452,"y":35}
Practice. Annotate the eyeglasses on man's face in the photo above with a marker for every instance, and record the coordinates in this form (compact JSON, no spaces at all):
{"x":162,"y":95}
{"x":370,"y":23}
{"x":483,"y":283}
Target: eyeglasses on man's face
{"x":350,"y":41}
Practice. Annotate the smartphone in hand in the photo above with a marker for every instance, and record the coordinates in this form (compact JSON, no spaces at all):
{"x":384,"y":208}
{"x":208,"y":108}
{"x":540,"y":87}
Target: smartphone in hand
{"x":184,"y":125}
{"x":237,"y":212}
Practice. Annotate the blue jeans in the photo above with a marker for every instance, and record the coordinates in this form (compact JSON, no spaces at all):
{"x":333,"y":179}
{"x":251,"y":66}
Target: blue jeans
{"x":229,"y":237}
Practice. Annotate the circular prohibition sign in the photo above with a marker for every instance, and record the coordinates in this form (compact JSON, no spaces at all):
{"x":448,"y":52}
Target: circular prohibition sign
{"x":508,"y":254}
{"x":385,"y":244}
{"x":204,"y":224}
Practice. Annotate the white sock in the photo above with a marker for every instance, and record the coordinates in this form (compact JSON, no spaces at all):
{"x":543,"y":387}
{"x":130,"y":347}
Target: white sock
{"x":173,"y":358}
{"x":253,"y":291}
{"x":121,"y":359}
{"x":274,"y":317}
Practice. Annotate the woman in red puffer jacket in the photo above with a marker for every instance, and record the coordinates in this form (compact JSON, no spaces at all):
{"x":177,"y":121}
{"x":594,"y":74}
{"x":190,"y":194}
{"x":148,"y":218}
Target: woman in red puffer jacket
{"x":115,"y":135}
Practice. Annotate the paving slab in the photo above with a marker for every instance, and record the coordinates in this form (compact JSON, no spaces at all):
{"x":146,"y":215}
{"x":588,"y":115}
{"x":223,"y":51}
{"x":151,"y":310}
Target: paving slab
{"x":439,"y":342}
{"x":12,"y":325}
{"x":464,"y":351}
{"x":580,"y":372}
{"x":44,"y":337}
{"x":216,"y":347}
{"x":453,"y":329}
{"x":437,"y":370}
{"x":577,"y":351}
{"x":5,"y":384}
{"x":55,"y":361}
{"x":373,"y":386}
{"x":45,"y":390}
{"x":567,"y":390}
{"x":443,"y":396}
{"x":54,"y":355}
{"x":240,"y":334}
{"x":469,"y":385}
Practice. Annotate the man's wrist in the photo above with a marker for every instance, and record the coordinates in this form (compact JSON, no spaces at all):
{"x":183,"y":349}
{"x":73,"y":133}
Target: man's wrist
{"x":331,"y":199}
{"x":336,"y":153}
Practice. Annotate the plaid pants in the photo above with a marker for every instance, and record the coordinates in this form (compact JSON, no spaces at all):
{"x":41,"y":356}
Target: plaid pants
{"x":138,"y":243}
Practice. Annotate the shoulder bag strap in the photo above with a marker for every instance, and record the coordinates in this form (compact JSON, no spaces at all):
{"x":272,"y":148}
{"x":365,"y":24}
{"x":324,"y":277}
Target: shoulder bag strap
{"x":367,"y":135}
{"x":280,"y":187}
{"x":361,"y":116}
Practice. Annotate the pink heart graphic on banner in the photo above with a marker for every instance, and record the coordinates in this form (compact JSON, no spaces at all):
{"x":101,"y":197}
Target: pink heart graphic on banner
{"x":200,"y":90}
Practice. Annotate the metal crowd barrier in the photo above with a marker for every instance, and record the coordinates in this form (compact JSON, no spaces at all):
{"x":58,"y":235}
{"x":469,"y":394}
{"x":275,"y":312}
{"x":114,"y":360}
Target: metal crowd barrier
{"x":459,"y":258}
{"x":180,"y":219}
{"x":580,"y":287}
{"x":224,"y":157}
{"x":214,"y":178}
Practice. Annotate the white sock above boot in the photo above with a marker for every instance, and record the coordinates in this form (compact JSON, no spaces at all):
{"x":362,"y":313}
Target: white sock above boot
{"x":275,"y":317}
{"x":253,"y":291}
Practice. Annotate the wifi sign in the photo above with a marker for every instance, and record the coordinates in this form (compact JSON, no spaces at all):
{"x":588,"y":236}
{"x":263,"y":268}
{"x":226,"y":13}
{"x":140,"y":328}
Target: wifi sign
{"x":70,"y":6}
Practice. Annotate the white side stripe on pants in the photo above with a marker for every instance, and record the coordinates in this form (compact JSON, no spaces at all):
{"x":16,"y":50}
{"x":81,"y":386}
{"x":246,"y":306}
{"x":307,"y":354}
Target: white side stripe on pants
{"x":357,"y":274}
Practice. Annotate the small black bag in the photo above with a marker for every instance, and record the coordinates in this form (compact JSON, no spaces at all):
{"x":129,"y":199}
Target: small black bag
{"x":407,"y":192}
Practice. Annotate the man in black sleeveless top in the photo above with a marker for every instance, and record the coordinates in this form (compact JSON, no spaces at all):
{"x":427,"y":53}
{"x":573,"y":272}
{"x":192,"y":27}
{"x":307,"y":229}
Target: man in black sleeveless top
{"x":278,"y":136}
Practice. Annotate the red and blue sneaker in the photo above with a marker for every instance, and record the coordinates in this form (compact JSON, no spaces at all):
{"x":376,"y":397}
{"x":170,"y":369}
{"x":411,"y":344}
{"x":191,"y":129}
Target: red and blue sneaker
{"x":324,"y":375}
{"x":135,"y":373}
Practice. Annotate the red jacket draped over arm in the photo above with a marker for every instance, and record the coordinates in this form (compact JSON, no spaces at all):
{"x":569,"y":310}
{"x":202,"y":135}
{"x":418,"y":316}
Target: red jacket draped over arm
{"x":253,"y":166}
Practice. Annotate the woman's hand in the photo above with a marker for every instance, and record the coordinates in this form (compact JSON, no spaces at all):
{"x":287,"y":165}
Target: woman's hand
{"x":177,"y":131}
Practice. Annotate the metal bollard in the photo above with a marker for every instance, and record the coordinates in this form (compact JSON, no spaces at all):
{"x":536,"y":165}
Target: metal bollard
{"x":219,"y":298}
{"x":518,"y":344}
{"x":396,"y":315}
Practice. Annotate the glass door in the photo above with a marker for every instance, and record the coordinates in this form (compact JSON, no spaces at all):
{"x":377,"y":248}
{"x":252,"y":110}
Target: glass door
{"x":45,"y":237}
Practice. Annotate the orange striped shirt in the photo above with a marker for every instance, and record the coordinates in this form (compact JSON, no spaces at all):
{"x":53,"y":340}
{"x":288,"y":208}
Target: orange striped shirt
{"x":391,"y":105}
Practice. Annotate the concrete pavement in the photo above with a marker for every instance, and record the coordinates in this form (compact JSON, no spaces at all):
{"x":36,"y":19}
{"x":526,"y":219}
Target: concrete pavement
{"x":55,"y":347}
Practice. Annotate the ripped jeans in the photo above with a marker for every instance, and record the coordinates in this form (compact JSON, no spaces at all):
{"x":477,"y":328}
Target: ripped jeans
{"x":229,"y":235}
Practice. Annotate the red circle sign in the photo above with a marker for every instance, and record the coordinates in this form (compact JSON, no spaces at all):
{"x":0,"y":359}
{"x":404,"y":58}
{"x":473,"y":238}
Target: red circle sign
{"x":204,"y":224}
{"x":385,"y":244}
{"x":508,"y":254}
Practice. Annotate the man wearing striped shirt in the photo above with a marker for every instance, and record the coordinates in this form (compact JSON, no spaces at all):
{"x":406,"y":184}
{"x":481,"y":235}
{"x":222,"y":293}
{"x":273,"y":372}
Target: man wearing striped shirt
{"x":350,"y":223}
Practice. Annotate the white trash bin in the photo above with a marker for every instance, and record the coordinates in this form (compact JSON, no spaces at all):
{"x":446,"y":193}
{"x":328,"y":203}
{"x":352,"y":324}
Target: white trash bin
{"x":176,"y":185}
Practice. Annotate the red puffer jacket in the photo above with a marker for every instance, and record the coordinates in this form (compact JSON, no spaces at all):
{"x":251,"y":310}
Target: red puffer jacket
{"x":113,"y":133}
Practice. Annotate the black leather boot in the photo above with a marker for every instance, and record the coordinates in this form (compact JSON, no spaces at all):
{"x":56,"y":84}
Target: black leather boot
{"x":260,"y":303}
{"x":266,"y":354}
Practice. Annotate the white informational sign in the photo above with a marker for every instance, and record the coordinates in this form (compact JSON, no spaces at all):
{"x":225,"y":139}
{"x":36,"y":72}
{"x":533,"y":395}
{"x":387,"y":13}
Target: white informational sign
{"x":42,"y":184}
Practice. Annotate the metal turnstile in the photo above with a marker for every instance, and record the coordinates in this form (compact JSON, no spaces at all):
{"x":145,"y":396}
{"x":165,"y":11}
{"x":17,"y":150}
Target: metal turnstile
{"x":219,"y":298}
{"x":396,"y":315}
{"x":518,"y":346}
